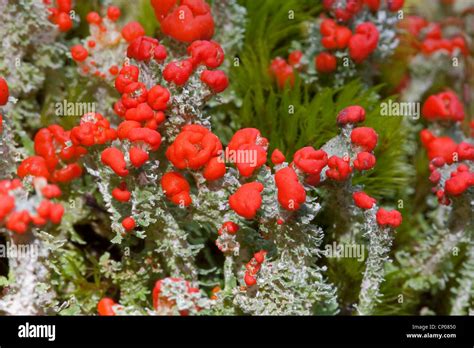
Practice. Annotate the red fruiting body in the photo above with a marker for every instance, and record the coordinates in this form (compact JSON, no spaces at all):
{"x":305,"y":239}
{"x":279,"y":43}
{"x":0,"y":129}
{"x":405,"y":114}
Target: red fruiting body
{"x":113,"y":13}
{"x":104,"y":307}
{"x":18,"y":221}
{"x":260,"y":256}
{"x":125,"y":127}
{"x":253,"y":267}
{"x":249,"y":279}
{"x":208,"y":53}
{"x":138,"y":157}
{"x":114,"y":70}
{"x":343,"y":13}
{"x":128,"y":223}
{"x":8,"y":185}
{"x":161,"y":301}
{"x":373,"y":5}
{"x":325,"y":62}
{"x":216,"y":80}
{"x":34,"y":166}
{"x":142,"y":48}
{"x":310,"y":161}
{"x":435,"y":176}
{"x":51,"y":191}
{"x":4,"y":93}
{"x":363,"y":42}
{"x":426,"y":137}
{"x":119,"y":108}
{"x":156,"y":120}
{"x":63,"y":5}
{"x":178,"y":72}
{"x":176,"y":188}
{"x":459,"y":42}
{"x":443,"y":147}
{"x":52,"y":144}
{"x":93,"y":18}
{"x":160,"y":53}
{"x":434,"y":43}
{"x":459,"y":182}
{"x":53,"y":14}
{"x":132,"y":30}
{"x":185,"y":20}
{"x":443,"y":106}
{"x":438,"y":162}
{"x":465,"y":151}
{"x":94,"y":129}
{"x":334,"y":36}
{"x":121,"y":193}
{"x":282,"y":72}
{"x":391,"y":218}
{"x":214,"y":169}
{"x":143,"y":112}
{"x":127,"y":75}
{"x":79,"y":53}
{"x":364,"y":161}
{"x":229,"y":227}
{"x":134,"y":93}
{"x":277,"y":157}
{"x":413,"y":25}
{"x":291,"y":194}
{"x":194,"y":146}
{"x":44,"y":208}
{"x":294,"y":58}
{"x":339,"y":169}
{"x":248,"y":143}
{"x":68,"y":173}
{"x":7,"y":203}
{"x":363,"y":200}
{"x":158,"y":97}
{"x":365,"y":137}
{"x":395,"y":5}
{"x":351,"y":114}
{"x":114,"y":158}
{"x":246,"y":201}
{"x":63,"y":21}
{"x":149,"y":137}
{"x":433,"y":31}
{"x":56,"y":213}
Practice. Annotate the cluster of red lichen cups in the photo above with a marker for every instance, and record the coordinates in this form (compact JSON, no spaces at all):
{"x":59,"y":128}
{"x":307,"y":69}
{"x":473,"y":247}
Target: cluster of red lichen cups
{"x":428,"y":37}
{"x":336,"y":36}
{"x":143,"y":110}
{"x":345,"y":10}
{"x":184,"y":20}
{"x":307,"y":166}
{"x":444,"y":152}
{"x":253,"y":267}
{"x":17,"y":213}
{"x":56,"y":156}
{"x":59,"y":13}
{"x":161,"y":302}
{"x":104,"y":34}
